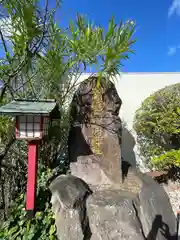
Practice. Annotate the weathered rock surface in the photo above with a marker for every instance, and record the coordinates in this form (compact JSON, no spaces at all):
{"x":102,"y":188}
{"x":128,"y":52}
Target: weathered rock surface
{"x":90,"y":169}
{"x":155,"y":212}
{"x":68,"y":200}
{"x":93,"y":203}
{"x":101,"y":127}
{"x":112,"y":213}
{"x":113,"y":216}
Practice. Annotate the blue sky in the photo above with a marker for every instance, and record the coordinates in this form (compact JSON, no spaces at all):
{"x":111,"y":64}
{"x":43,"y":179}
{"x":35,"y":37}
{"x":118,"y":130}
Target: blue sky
{"x":158,"y":23}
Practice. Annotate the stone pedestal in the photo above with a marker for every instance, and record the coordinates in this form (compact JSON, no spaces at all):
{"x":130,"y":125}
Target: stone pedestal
{"x":113,"y":216}
{"x":142,"y":212}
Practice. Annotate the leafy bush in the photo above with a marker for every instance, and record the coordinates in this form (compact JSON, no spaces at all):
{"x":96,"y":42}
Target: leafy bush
{"x":157,"y":123}
{"x":42,"y":227}
{"x":167,"y":160}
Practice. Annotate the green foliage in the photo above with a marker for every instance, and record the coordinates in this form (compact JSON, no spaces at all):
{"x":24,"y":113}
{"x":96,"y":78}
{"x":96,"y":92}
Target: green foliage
{"x":157,"y":122}
{"x":81,"y":45}
{"x":40,"y":61}
{"x":23,"y":35}
{"x":54,"y":151}
{"x":6,"y":125}
{"x":42,"y":226}
{"x":108,"y":48}
{"x":24,"y":24}
{"x":167,"y":160}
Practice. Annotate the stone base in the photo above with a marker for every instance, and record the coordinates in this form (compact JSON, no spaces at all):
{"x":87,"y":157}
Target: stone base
{"x":113,"y":216}
{"x":68,"y":225}
{"x":138,"y":209}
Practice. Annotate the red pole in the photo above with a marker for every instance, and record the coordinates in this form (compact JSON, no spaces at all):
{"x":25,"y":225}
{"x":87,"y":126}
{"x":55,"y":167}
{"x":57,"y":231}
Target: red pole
{"x":32,"y":178}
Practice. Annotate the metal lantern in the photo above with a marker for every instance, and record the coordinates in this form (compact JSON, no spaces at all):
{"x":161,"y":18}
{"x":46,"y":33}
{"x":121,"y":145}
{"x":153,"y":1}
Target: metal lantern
{"x":33,"y":119}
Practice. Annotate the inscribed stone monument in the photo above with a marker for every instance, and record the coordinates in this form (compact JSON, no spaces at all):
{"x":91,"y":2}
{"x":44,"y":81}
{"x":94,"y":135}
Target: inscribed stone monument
{"x":95,"y":133}
{"x":92,"y":203}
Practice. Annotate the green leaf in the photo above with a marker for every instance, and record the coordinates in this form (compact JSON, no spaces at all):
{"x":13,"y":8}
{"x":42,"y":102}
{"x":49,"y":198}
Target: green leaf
{"x":13,"y":230}
{"x":52,"y":230}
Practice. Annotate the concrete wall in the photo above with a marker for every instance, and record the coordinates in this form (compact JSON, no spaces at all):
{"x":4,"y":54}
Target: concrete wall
{"x":134,"y":88}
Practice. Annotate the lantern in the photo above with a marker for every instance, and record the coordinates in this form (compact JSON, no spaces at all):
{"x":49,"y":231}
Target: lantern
{"x":32,"y":122}
{"x":32,"y":127}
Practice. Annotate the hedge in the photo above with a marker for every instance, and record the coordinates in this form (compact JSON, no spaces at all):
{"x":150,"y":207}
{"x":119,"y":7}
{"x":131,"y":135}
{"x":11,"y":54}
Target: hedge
{"x":157,"y":124}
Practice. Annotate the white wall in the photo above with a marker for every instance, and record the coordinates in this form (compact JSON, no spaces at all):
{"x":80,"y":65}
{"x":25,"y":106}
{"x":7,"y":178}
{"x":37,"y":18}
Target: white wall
{"x":133,"y":89}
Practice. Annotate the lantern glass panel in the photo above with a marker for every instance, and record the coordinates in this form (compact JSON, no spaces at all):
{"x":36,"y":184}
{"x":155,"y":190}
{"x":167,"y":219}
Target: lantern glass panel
{"x":37,"y":134}
{"x":22,"y":134}
{"x":37,"y":119}
{"x":22,"y":126}
{"x":30,"y":119}
{"x":29,"y":127}
{"x":46,"y":123}
{"x":36,"y":127}
{"x":30,"y":134}
{"x":22,"y":119}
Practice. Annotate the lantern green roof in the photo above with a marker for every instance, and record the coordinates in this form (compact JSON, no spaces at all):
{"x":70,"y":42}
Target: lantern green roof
{"x":27,"y":107}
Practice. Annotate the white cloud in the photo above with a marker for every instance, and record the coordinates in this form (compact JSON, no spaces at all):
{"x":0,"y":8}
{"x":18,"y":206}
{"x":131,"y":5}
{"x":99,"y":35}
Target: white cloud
{"x":172,"y":51}
{"x":174,"y":8}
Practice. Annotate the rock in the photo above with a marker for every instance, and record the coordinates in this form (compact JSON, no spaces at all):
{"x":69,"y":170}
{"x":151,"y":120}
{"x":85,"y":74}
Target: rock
{"x":95,"y":133}
{"x":94,"y":203}
{"x":155,"y":211}
{"x":88,"y":169}
{"x":68,"y":200}
{"x":113,"y":216}
{"x":121,"y":213}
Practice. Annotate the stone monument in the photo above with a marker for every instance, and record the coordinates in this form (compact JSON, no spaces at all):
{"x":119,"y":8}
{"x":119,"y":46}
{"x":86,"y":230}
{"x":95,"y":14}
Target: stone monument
{"x":93,"y":203}
{"x":95,"y":133}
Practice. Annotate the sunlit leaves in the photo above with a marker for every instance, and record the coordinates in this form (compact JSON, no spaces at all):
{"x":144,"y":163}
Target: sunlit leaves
{"x":105,"y":49}
{"x":167,"y":160}
{"x":24,"y":24}
{"x":65,"y":51}
{"x":157,"y":122}
{"x":28,"y":33}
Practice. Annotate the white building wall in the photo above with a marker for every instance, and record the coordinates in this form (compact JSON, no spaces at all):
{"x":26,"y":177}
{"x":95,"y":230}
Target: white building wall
{"x":133,"y":89}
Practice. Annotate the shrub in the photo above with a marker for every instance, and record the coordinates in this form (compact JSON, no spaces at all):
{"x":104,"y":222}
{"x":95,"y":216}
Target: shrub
{"x":42,"y":227}
{"x":157,"y":122}
{"x":167,"y":160}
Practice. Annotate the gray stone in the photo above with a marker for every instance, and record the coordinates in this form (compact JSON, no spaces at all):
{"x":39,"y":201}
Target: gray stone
{"x":95,"y":125}
{"x":127,"y":212}
{"x":155,"y":211}
{"x":137,"y":208}
{"x":112,"y":216}
{"x":68,"y":200}
{"x":89,"y":169}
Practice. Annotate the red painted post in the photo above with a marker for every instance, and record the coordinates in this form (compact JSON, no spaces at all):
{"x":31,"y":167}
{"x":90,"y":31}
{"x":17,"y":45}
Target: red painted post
{"x":32,"y":178}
